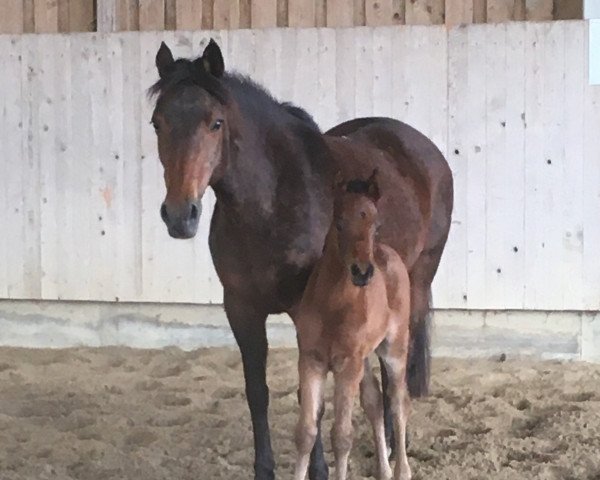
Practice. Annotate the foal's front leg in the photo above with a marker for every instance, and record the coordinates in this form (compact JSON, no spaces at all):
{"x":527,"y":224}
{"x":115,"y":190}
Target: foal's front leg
{"x":371,"y":400}
{"x":395,"y":361}
{"x":312,"y":377}
{"x":347,"y":383}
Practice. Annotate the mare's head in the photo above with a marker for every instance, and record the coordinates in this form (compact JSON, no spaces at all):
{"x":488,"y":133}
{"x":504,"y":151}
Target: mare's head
{"x":191,"y":129}
{"x":355,"y":218}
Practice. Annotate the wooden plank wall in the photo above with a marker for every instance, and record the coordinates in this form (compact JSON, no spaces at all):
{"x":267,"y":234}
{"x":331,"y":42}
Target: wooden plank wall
{"x":48,"y":16}
{"x":508,"y":104}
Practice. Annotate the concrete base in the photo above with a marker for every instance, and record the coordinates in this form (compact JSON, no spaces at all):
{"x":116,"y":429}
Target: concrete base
{"x":565,"y":335}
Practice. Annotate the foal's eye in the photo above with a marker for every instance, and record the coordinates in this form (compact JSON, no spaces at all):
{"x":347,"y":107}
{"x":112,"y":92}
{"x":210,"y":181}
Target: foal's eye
{"x":155,"y":125}
{"x":215,"y":126}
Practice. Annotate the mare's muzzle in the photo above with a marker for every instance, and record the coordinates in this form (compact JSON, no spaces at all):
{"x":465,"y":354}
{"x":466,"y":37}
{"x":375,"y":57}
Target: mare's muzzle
{"x":182,"y":220}
{"x":361,"y":277}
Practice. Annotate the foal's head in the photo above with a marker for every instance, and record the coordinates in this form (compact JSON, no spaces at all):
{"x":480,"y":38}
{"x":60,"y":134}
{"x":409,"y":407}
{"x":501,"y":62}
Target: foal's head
{"x":356,"y":221}
{"x":191,"y":128}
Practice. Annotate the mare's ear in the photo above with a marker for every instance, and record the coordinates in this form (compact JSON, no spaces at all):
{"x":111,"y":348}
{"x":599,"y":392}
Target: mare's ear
{"x":373,"y":192}
{"x":164,"y":59}
{"x":212,"y":59}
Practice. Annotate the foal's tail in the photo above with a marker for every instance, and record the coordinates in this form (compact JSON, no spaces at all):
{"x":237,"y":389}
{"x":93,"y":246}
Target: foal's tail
{"x":419,"y":354}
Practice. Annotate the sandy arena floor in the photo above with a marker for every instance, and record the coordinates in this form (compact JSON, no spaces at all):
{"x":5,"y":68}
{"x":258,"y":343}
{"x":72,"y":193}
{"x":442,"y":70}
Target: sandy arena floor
{"x":118,"y":413}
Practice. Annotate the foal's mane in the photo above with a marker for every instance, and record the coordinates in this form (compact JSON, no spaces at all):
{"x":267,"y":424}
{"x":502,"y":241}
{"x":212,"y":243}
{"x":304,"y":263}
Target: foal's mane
{"x":185,"y":72}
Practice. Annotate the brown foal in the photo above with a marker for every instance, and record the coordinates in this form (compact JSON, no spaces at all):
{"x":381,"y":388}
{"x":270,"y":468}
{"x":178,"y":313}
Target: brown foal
{"x":357,"y":301}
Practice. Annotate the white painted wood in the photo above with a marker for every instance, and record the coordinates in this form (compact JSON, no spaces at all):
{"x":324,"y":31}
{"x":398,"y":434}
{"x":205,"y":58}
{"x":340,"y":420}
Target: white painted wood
{"x":451,"y":281}
{"x":326,"y":115}
{"x":536,"y":272}
{"x":475,"y":104}
{"x":456,"y":87}
{"x":363,"y":74}
{"x":505,"y":87}
{"x":11,"y":132}
{"x":382,"y":79}
{"x":573,"y":209}
{"x":591,"y":199}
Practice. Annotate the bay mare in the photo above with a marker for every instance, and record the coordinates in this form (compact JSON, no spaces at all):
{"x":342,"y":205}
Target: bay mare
{"x":271,"y":170}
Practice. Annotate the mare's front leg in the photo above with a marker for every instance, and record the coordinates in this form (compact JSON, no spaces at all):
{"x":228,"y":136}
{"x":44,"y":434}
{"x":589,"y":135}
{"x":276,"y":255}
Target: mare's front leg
{"x":249,"y":329}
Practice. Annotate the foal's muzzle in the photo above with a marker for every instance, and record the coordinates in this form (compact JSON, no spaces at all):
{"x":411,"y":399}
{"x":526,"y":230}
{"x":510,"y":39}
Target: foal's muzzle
{"x":360,"y":277}
{"x":182,"y":220}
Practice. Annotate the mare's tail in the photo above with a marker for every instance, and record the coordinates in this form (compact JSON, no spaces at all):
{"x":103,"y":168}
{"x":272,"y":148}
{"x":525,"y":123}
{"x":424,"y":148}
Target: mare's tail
{"x":419,"y":354}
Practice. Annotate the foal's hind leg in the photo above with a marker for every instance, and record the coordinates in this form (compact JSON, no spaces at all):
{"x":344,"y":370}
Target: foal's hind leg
{"x":372,"y":403}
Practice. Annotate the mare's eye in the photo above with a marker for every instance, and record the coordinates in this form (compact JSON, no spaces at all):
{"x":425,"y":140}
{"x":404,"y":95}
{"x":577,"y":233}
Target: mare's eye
{"x":338,"y":225}
{"x":215,"y":126}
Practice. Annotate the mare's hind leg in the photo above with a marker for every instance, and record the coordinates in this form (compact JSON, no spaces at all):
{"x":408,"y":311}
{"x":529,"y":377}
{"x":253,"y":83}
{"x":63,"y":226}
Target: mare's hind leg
{"x":249,"y":330}
{"x":312,"y":377}
{"x":347,"y":381}
{"x":372,"y":403}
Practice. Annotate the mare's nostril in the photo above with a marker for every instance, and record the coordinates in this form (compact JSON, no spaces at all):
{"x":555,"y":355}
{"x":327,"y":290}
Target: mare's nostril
{"x":194,"y":212}
{"x":163,"y":213}
{"x":354,"y":270}
{"x":370,"y":270}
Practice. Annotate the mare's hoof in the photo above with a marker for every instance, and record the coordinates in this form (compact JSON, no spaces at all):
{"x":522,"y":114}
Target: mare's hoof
{"x":318,"y":473}
{"x":392,"y":450}
{"x":263,"y":473}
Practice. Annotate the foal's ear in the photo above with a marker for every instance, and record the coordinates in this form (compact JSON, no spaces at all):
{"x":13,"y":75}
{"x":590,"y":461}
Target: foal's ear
{"x":373,"y":192}
{"x":338,"y":181}
{"x":212,"y":59}
{"x":164,"y":59}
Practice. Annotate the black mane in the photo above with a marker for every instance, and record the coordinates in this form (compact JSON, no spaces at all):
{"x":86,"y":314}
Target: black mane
{"x":251,"y":95}
{"x":188,"y":72}
{"x":358,"y":186}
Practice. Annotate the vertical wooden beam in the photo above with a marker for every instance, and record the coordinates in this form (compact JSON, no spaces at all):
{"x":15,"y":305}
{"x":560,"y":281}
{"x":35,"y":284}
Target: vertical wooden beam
{"x":479,"y":11}
{"x":359,"y":13}
{"x":188,"y":14}
{"x":11,"y":16}
{"x":568,"y":9}
{"x":379,"y":12}
{"x":399,"y":12}
{"x":207,"y":14}
{"x":500,"y":10}
{"x":45,"y":16}
{"x":244,"y":14}
{"x":170,"y":15}
{"x":321,"y":13}
{"x":264,"y":13}
{"x":226,"y":14}
{"x":283,"y":14}
{"x":538,"y":10}
{"x":106,"y":15}
{"x":459,"y":12}
{"x":424,"y":12}
{"x":80,"y":16}
{"x":152,"y":14}
{"x":302,"y":13}
{"x":340,"y":13}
